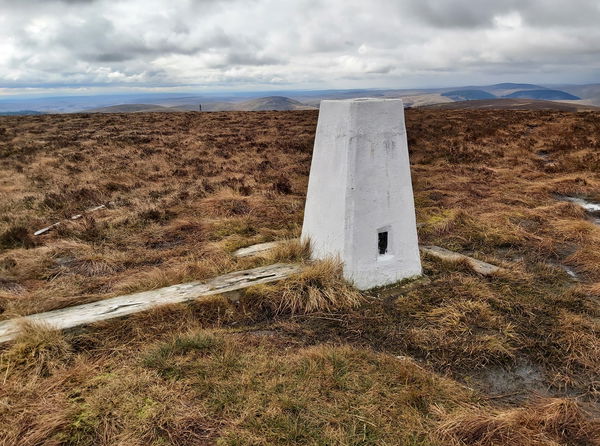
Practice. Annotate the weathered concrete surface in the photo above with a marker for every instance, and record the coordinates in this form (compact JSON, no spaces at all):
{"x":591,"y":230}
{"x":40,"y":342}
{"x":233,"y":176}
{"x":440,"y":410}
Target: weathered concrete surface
{"x":254,"y":250}
{"x":359,"y":187}
{"x":477,"y":265}
{"x":134,"y":303}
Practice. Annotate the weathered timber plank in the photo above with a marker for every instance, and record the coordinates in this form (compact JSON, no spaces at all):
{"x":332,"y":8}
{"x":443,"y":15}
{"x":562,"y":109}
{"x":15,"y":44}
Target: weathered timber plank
{"x":133,"y":303}
{"x":256,"y":249}
{"x":74,"y":217}
{"x":476,"y":265}
{"x":46,"y":229}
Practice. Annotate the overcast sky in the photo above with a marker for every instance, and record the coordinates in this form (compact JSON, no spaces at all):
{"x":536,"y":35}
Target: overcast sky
{"x":211,"y":45}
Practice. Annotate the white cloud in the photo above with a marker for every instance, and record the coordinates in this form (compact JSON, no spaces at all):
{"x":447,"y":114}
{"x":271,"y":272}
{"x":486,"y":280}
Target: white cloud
{"x":512,"y":20}
{"x":295,"y":43}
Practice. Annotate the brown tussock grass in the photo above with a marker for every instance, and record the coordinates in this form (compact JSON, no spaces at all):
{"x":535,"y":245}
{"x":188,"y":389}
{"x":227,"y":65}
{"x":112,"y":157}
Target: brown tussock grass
{"x":290,"y":251}
{"x":38,"y":417}
{"x":194,"y":270}
{"x":198,"y":186}
{"x":466,"y":332}
{"x":546,"y":422}
{"x":227,"y":203}
{"x":298,"y":395}
{"x":38,"y":349}
{"x":320,"y":287}
{"x":593,"y":290}
{"x":119,"y":339}
{"x":586,"y":259}
{"x":579,"y":338}
{"x":184,"y":179}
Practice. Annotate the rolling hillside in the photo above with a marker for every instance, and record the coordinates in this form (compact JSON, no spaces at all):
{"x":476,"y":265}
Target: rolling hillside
{"x":580,"y":95}
{"x":277,"y":103}
{"x":20,"y":113}
{"x":268,"y":103}
{"x":134,"y":108}
{"x":468,"y":95}
{"x":513,"y":104}
{"x":589,"y":93}
{"x":544,"y":94}
{"x":506,"y":88}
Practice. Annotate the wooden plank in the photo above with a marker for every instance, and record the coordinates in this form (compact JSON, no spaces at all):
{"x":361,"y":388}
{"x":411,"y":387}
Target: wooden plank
{"x":256,"y":249}
{"x":133,"y":303}
{"x":478,"y":266}
{"x":74,"y":217}
{"x":46,"y":229}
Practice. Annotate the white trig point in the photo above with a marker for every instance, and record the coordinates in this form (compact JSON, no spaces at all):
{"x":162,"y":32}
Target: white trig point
{"x":359,"y":205}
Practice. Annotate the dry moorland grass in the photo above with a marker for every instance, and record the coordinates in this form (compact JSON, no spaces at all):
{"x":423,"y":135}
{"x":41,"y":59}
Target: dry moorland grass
{"x":509,"y":359}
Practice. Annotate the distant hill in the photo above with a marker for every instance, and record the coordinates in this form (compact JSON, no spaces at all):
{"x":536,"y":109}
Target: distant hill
{"x":134,"y":108}
{"x":506,"y":88}
{"x":21,"y":113}
{"x":279,"y":103}
{"x":468,"y":95}
{"x":589,"y":93}
{"x":510,"y":90}
{"x":513,"y":86}
{"x":545,"y":94}
{"x":419,"y":100}
{"x":513,"y":104}
{"x":272,"y":103}
{"x":289,"y":99}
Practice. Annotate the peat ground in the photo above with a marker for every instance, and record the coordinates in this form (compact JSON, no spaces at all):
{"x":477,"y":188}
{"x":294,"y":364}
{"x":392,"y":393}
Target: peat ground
{"x":453,"y":357}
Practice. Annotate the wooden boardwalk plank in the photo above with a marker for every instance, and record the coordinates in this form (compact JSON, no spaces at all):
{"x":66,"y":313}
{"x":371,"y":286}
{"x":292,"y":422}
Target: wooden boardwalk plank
{"x":256,"y":249}
{"x":133,"y":303}
{"x":478,"y":266}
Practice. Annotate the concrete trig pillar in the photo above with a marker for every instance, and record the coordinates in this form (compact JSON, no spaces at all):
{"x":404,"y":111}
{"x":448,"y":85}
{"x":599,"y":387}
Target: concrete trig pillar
{"x":359,"y":205}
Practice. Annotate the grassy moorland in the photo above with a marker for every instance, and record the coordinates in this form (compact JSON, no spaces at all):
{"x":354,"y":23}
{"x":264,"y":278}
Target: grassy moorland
{"x":451,"y":358}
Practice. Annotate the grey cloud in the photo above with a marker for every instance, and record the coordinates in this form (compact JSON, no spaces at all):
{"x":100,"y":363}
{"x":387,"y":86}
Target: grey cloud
{"x":561,"y":13}
{"x":241,"y":42}
{"x":108,"y":57}
{"x":30,"y":4}
{"x":458,"y":14}
{"x":236,"y":58}
{"x":381,"y":70}
{"x":96,"y":39}
{"x":470,"y":14}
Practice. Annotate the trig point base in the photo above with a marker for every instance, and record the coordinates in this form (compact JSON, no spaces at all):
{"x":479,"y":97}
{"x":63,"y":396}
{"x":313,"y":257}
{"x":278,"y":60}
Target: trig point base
{"x":359,"y":205}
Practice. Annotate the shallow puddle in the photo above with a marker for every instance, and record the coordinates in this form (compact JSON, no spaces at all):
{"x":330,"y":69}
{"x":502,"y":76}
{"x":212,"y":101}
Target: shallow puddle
{"x":592,"y":208}
{"x":514,"y":383}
